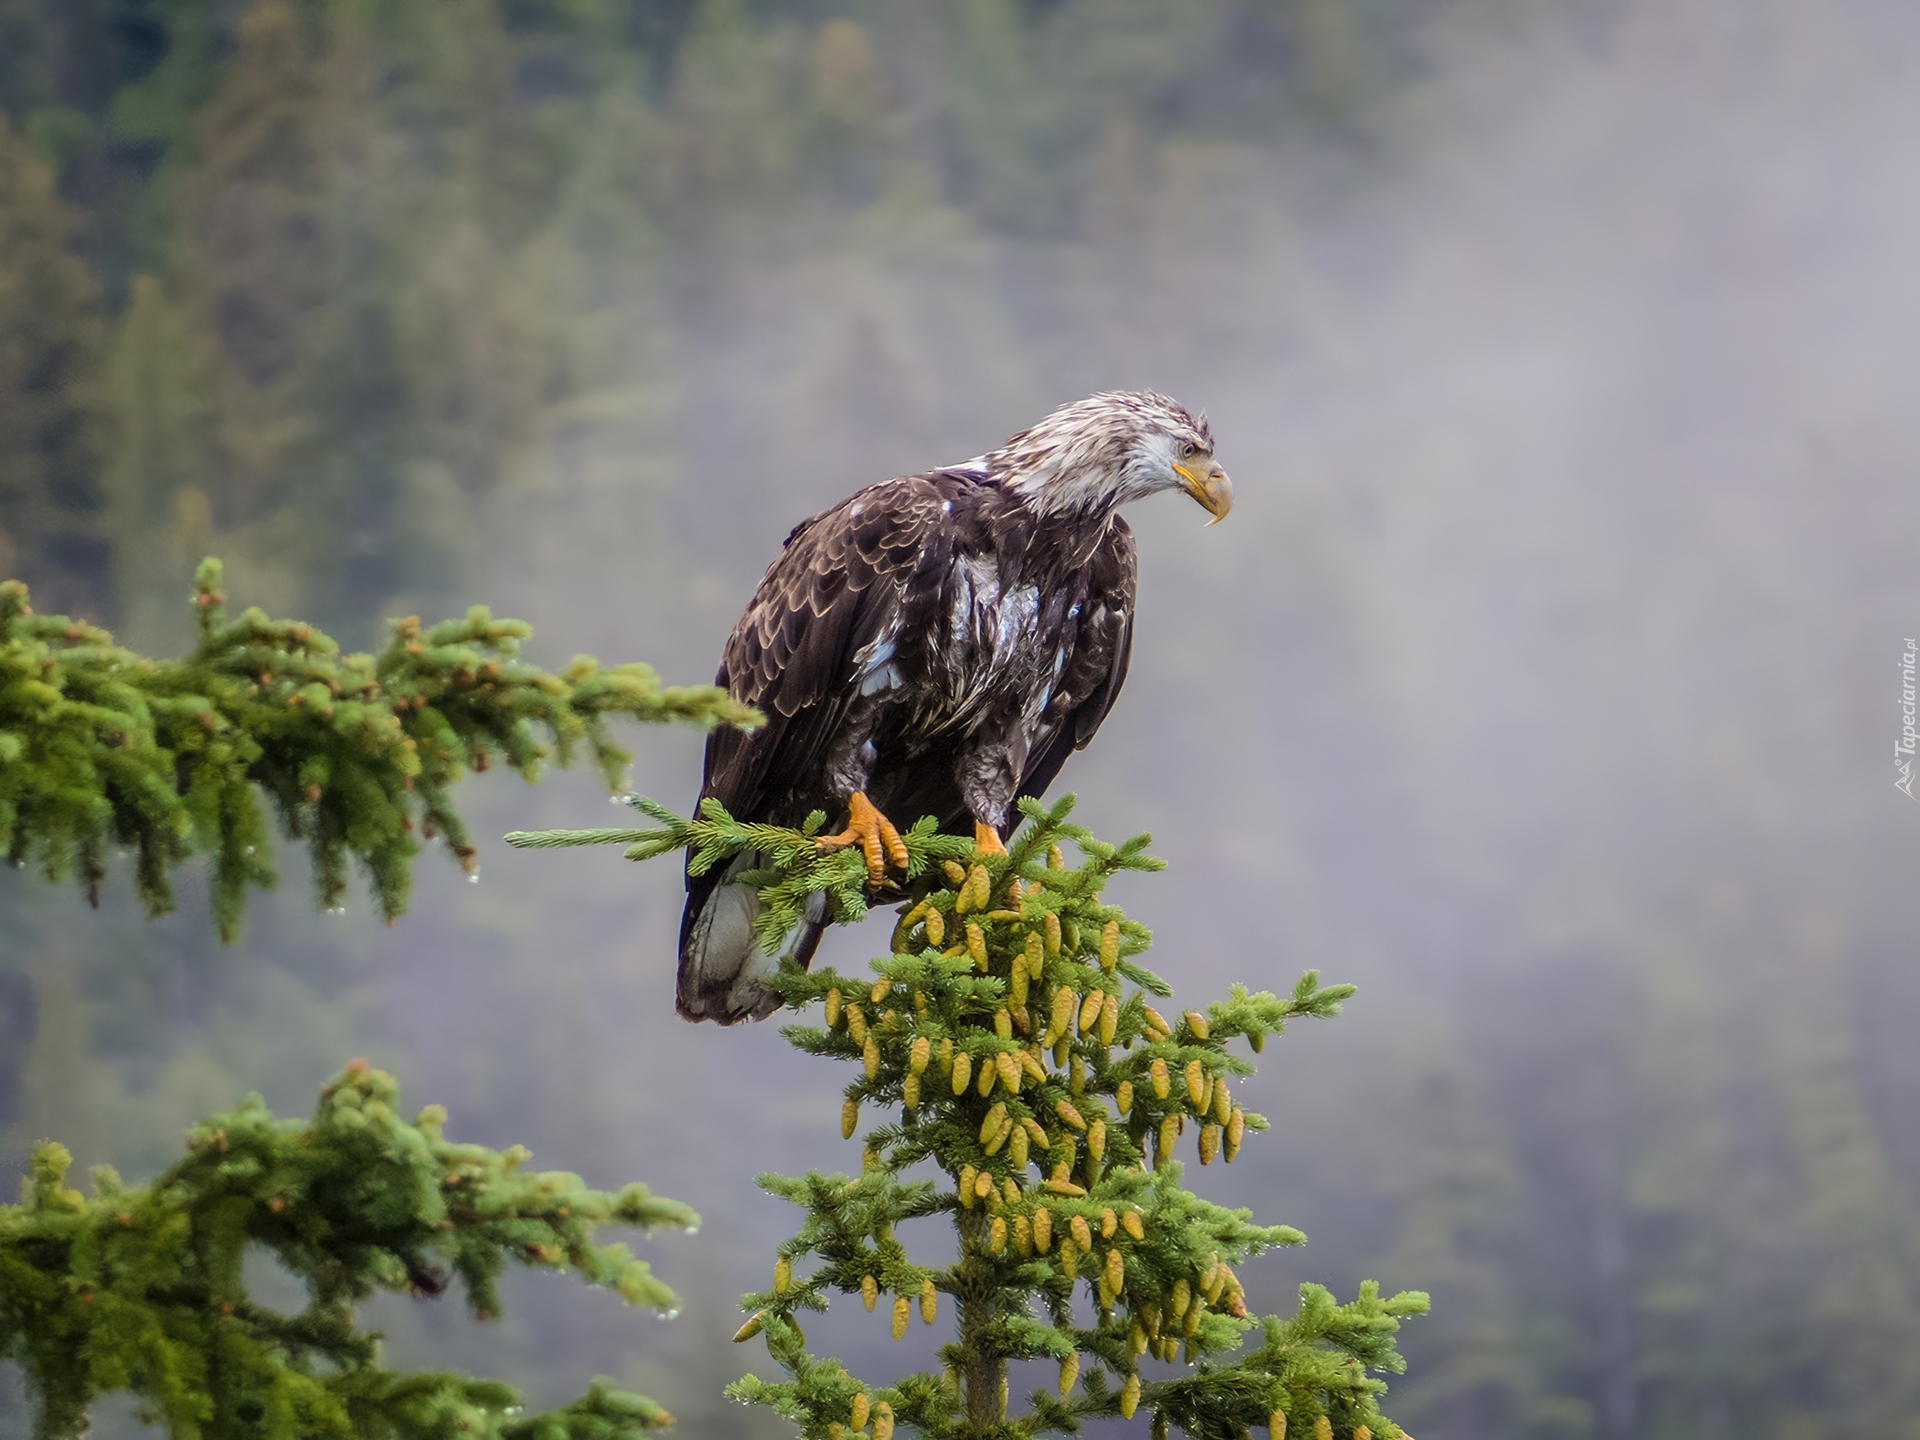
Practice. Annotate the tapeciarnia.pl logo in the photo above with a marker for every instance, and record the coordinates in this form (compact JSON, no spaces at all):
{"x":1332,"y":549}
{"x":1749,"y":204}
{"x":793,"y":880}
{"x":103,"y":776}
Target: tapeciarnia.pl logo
{"x":1903,"y":751}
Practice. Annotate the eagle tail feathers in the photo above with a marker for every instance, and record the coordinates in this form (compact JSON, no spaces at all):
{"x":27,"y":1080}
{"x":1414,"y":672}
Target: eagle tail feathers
{"x":722,"y":962}
{"x":724,"y":966}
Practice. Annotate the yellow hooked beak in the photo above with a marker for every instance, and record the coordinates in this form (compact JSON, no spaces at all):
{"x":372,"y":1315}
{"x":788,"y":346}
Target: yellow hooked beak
{"x":1212,"y":489}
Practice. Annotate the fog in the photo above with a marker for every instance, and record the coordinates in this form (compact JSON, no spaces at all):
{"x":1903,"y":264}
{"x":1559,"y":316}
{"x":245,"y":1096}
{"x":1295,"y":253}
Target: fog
{"x":1544,"y":683}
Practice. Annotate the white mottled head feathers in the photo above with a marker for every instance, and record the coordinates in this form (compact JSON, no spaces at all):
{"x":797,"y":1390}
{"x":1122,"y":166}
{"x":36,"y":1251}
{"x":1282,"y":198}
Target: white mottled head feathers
{"x":1092,"y":456}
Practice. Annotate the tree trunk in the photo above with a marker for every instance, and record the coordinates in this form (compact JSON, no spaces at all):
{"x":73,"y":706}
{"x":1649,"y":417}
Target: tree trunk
{"x":985,"y":1368}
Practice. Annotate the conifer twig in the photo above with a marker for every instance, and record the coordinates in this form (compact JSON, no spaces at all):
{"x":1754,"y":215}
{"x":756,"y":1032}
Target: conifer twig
{"x":103,"y":749}
{"x":139,"y":1288}
{"x":793,"y":867}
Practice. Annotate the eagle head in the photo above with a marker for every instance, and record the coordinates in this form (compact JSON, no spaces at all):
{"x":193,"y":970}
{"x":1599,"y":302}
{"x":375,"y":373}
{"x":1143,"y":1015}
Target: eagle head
{"x":1088,"y":458}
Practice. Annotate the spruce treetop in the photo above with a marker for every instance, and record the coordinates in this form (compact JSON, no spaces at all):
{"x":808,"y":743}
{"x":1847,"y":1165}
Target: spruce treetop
{"x":1009,"y":1043}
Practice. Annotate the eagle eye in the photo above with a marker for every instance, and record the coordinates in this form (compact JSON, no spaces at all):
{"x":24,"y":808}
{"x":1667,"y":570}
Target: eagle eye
{"x":1187,"y":450}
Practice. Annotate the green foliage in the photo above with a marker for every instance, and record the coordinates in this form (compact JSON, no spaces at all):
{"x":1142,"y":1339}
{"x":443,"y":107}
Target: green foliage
{"x":139,"y":1288}
{"x":100,"y":747}
{"x":798,"y":866}
{"x":1011,"y":1027}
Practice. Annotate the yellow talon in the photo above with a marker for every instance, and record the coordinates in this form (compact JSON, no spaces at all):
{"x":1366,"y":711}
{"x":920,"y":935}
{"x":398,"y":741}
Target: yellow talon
{"x":879,"y":842}
{"x":986,"y":840}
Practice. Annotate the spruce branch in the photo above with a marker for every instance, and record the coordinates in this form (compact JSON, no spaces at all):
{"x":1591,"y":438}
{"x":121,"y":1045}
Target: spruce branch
{"x":102,"y":749}
{"x":138,"y":1288}
{"x":1010,"y":1037}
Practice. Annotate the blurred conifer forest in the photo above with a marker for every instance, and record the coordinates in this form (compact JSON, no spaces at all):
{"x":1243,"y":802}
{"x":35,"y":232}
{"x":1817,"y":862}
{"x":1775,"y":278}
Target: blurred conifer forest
{"x":1542,"y":683}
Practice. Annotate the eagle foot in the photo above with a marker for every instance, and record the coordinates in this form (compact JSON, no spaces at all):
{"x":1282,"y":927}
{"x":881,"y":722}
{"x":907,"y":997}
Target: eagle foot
{"x":879,"y":842}
{"x":986,"y":839}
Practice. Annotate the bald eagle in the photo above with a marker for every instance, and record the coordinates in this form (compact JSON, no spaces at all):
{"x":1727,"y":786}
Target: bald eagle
{"x":936,"y":645}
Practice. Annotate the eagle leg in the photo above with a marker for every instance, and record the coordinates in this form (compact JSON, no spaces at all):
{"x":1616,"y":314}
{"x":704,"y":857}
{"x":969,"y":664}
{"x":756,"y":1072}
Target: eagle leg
{"x":873,"y":833}
{"x":986,"y":839}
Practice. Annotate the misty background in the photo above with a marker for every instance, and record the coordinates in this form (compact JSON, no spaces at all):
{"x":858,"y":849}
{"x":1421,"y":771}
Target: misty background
{"x":1544,"y":681}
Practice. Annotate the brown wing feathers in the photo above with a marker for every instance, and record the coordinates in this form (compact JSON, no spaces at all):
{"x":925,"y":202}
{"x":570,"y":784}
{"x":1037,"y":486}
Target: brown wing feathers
{"x":882,"y":564}
{"x":831,"y":591}
{"x":1103,"y":647}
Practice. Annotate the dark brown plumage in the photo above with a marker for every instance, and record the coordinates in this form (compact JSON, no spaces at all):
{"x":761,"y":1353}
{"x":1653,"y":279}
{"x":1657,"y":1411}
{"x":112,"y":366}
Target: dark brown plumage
{"x":937,"y":644}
